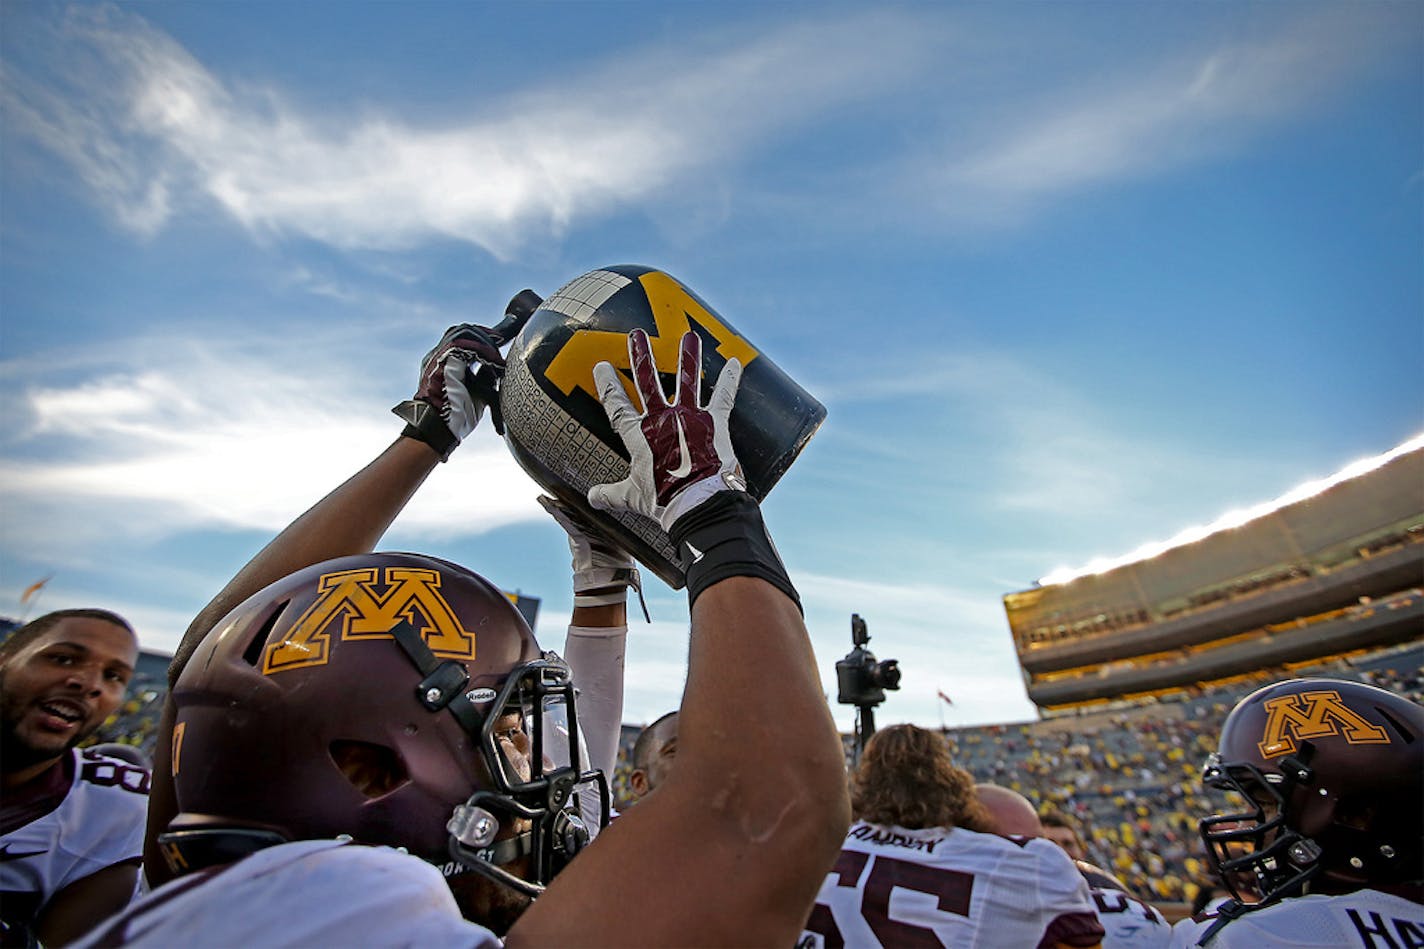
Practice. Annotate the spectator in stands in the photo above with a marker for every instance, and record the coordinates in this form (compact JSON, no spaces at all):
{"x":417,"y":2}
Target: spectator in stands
{"x":653,"y":755}
{"x":1009,"y":811}
{"x":1063,"y":831}
{"x":1326,"y":777}
{"x":920,"y":828}
{"x":71,"y":824}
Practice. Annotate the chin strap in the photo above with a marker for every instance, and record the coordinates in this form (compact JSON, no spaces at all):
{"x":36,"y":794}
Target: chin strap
{"x":1225,"y":913}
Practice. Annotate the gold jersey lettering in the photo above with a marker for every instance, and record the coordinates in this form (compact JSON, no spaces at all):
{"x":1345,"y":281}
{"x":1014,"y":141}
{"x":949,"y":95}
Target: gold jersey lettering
{"x":674,"y":312}
{"x":350,"y":598}
{"x":1310,"y":715}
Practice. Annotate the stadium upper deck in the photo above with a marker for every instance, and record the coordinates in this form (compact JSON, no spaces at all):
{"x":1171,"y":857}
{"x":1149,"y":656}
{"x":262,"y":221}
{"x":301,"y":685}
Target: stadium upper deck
{"x":1333,"y":568}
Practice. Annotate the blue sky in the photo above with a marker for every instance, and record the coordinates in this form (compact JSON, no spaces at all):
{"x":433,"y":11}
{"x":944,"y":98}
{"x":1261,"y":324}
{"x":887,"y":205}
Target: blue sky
{"x":1069,"y":278}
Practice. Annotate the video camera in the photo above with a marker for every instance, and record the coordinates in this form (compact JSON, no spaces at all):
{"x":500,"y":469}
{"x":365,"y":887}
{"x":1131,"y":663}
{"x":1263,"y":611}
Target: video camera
{"x":861,"y":680}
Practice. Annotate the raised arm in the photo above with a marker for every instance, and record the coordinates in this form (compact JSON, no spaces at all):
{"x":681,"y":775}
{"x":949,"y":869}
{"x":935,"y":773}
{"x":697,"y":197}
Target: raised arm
{"x":447,"y":406}
{"x":598,"y":630}
{"x":733,"y":847}
{"x":448,"y":403}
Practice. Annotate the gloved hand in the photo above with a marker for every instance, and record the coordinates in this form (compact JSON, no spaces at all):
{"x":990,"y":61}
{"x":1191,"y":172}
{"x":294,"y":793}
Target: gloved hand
{"x":602,"y":571}
{"x":451,"y":396}
{"x":683,"y":472}
{"x":681,"y":454}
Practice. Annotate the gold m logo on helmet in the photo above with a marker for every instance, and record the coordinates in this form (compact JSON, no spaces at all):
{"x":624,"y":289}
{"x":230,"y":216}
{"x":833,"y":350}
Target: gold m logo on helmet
{"x":674,"y":312}
{"x":350,"y":598}
{"x":1311,"y":715}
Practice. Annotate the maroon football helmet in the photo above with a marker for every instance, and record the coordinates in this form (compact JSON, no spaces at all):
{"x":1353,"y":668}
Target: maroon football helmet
{"x":1331,"y":776}
{"x":393,"y":698}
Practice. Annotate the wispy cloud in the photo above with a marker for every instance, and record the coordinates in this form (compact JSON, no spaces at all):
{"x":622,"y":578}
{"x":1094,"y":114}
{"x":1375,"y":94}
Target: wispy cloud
{"x":151,"y":130}
{"x":1143,"y":117}
{"x":1050,"y":447}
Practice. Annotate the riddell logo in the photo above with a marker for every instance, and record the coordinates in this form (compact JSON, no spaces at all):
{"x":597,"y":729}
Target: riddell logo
{"x":357,"y":605}
{"x":1313,"y":715}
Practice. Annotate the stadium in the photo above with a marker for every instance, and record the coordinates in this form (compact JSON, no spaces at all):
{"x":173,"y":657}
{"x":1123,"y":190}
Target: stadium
{"x":1133,"y":665}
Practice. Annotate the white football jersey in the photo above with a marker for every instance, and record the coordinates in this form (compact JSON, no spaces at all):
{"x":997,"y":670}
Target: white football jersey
{"x":1130,"y":923}
{"x":93,"y":821}
{"x":1367,"y":919}
{"x":308,"y":893}
{"x":953,"y":887}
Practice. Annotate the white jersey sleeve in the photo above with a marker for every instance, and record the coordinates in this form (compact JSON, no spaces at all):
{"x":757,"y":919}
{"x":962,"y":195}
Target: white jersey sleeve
{"x":1367,"y":919}
{"x":1129,"y":923}
{"x":96,"y":823}
{"x":308,"y":893}
{"x":953,"y":887}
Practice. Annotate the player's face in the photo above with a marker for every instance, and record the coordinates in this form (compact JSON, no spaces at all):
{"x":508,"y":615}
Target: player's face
{"x":482,"y":900}
{"x":514,"y":744}
{"x":664,"y":754}
{"x":1065,"y":838}
{"x":60,"y":687}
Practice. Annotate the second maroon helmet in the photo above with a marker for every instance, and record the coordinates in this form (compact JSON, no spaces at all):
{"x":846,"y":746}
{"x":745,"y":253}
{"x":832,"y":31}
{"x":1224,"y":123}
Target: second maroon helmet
{"x":1330,"y":774}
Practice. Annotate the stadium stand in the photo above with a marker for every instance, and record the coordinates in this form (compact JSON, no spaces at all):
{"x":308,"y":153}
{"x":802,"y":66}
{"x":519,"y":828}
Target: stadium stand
{"x":1330,"y":572}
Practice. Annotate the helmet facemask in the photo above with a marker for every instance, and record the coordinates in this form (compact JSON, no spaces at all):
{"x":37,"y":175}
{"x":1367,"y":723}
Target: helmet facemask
{"x":543,"y":789}
{"x":1257,"y":855}
{"x":530,"y":747}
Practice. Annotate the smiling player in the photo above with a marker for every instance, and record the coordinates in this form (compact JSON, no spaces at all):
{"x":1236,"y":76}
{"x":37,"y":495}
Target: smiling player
{"x":71,"y":824}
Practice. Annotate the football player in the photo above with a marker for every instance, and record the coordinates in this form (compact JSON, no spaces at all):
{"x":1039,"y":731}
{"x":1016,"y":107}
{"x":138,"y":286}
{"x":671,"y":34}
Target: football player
{"x":71,"y":823}
{"x":653,"y":755}
{"x":367,"y":749}
{"x":1063,"y":831}
{"x":1326,"y":778}
{"x":924,"y":865}
{"x":1129,"y":922}
{"x":1010,"y":813}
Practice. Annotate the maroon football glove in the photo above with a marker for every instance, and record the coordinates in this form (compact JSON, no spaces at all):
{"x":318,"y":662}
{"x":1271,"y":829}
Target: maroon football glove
{"x":680,"y":454}
{"x":452,"y":396}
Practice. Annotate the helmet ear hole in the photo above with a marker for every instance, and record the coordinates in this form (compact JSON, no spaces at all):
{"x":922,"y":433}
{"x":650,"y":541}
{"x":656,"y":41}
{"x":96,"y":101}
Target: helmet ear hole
{"x":374,"y":770}
{"x":253,"y":653}
{"x":1399,"y":727}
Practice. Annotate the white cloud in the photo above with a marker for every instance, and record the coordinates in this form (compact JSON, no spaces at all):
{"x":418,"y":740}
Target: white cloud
{"x":149,"y":128}
{"x":1152,"y":116}
{"x":225,"y":440}
{"x":1049,"y":447}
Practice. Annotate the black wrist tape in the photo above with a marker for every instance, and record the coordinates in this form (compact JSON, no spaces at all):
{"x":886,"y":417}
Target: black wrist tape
{"x":424,"y":424}
{"x":723,"y":537}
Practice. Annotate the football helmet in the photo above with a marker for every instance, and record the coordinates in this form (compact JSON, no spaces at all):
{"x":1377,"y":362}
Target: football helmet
{"x":1330,"y":775}
{"x":391,"y":698}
